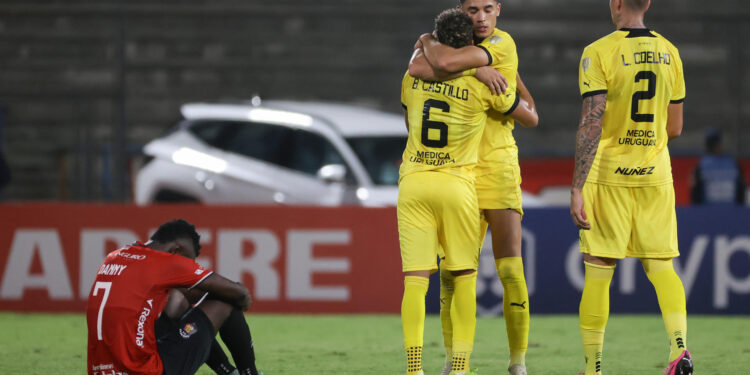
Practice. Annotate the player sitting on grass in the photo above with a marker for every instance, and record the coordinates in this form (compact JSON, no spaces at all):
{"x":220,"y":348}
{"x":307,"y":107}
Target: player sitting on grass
{"x":234,"y":332}
{"x":129,"y":330}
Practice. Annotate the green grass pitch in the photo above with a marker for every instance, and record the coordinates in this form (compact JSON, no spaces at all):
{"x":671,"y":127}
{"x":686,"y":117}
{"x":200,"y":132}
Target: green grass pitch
{"x":372,"y":344}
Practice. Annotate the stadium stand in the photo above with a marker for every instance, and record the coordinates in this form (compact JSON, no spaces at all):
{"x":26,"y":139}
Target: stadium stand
{"x":85,"y":85}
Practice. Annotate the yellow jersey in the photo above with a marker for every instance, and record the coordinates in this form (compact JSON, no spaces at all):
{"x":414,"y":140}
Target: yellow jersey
{"x":641,"y":73}
{"x":446,"y":120}
{"x":497,"y":141}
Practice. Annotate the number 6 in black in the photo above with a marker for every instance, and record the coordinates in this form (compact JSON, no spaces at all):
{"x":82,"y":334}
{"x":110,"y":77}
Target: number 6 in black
{"x":428,"y":124}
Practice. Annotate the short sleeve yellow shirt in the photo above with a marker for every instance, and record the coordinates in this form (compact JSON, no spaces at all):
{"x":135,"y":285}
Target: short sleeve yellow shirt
{"x":497,"y":140}
{"x":641,"y":73}
{"x":446,"y":120}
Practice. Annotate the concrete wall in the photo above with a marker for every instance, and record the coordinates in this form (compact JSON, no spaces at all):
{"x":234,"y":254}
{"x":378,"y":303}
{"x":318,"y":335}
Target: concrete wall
{"x":84,"y":83}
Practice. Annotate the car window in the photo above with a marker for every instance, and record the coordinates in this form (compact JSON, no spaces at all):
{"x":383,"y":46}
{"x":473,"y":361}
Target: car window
{"x":260,"y":141}
{"x":214,"y":133}
{"x":381,"y":157}
{"x":296,"y":149}
{"x":308,"y":152}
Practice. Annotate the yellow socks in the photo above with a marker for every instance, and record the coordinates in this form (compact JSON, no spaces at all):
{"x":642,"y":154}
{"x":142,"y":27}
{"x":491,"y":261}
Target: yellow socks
{"x":412,"y":320}
{"x":515,"y":307}
{"x":594,"y":312}
{"x":671,"y":295}
{"x":464,"y":317}
{"x":446,"y":297}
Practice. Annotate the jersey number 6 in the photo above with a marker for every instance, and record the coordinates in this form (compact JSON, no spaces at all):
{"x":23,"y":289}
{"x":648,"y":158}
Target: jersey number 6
{"x":428,"y":124}
{"x":643,"y":95}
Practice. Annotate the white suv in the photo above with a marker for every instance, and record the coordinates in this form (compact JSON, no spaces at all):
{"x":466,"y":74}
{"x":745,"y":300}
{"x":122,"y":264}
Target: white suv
{"x":306,"y":153}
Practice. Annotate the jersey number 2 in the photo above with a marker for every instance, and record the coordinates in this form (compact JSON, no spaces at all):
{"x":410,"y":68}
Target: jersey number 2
{"x":106,"y":285}
{"x":643,"y":95}
{"x":428,"y":124}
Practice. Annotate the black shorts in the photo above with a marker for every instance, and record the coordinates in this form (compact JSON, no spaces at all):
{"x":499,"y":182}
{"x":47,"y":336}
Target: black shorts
{"x":184,"y":344}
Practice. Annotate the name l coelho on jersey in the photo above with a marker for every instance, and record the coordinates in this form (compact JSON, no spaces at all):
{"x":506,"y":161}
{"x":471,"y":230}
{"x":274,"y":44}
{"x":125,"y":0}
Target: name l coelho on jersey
{"x":648,"y":57}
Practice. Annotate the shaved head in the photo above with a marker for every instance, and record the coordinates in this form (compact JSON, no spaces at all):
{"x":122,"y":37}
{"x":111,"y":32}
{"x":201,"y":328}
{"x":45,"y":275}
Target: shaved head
{"x":636,"y":5}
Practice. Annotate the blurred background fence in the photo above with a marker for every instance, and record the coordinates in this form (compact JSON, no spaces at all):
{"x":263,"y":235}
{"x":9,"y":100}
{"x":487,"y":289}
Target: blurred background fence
{"x":84,"y":84}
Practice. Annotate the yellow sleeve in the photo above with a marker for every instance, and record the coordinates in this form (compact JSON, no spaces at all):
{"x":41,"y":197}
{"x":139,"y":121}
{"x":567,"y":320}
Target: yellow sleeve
{"x":591,"y":77}
{"x":404,"y":82}
{"x":678,"y":91}
{"x":499,"y":48}
{"x":504,"y":103}
{"x":501,"y":51}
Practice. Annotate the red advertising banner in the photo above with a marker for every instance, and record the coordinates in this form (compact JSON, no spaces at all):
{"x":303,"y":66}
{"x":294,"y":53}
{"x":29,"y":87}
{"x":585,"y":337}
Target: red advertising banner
{"x":293,"y":260}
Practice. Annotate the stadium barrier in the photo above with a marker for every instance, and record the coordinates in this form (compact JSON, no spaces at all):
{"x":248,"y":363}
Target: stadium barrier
{"x":346,"y":260}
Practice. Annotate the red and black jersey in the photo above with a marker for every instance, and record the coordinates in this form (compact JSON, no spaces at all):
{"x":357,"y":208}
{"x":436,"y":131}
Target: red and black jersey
{"x":129,"y":293}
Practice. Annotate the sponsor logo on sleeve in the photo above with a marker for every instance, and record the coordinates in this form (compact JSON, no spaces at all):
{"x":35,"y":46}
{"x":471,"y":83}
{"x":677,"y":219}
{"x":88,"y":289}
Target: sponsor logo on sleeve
{"x":131,"y":256}
{"x":495,"y":39}
{"x":188,"y":330}
{"x":585,"y":64}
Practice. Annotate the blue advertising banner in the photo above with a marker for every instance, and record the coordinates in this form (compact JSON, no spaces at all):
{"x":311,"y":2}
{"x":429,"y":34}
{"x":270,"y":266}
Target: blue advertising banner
{"x":714,"y":266}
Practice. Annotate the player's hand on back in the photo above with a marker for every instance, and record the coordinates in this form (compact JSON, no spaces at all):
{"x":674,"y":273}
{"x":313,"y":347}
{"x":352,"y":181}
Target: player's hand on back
{"x":577,"y":211}
{"x":492,"y":78}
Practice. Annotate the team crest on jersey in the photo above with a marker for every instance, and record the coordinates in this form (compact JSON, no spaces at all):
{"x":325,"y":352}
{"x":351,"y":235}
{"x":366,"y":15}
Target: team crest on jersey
{"x":495,"y":39}
{"x":585,"y":64}
{"x":188,"y":330}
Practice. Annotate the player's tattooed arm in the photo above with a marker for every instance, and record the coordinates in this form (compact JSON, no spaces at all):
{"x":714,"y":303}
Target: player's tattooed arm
{"x":588,"y":136}
{"x":587,"y":141}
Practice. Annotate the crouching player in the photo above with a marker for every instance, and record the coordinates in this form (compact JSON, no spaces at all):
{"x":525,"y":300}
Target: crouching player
{"x":129,"y":329}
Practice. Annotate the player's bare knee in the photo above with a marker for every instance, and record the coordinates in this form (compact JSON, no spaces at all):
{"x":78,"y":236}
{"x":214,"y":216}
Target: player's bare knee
{"x":599,"y":261}
{"x":217,"y":312}
{"x":507,"y":246}
{"x":505,"y":226}
{"x":423,"y":273}
{"x":176,"y":305}
{"x":462,"y":272}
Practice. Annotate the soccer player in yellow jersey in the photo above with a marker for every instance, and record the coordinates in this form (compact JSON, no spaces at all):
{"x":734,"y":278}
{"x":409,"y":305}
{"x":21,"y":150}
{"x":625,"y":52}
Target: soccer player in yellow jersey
{"x":622,"y":196}
{"x":437,"y":204}
{"x":498,"y":181}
